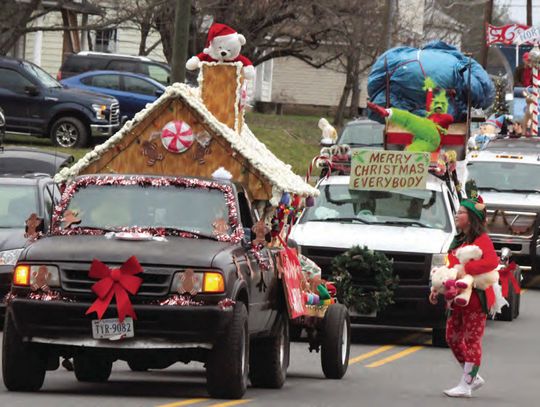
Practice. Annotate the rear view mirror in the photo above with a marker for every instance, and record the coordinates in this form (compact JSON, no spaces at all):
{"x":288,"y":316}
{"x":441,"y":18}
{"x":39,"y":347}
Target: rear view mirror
{"x":31,"y":90}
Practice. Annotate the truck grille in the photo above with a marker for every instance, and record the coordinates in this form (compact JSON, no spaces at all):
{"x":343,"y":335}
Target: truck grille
{"x":411,"y":268}
{"x":156,"y":281}
{"x":511,"y":223}
{"x":114,"y":117}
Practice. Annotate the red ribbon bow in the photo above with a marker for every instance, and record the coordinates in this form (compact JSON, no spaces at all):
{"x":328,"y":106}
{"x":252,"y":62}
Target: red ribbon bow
{"x":506,"y":276}
{"x":117,"y":283}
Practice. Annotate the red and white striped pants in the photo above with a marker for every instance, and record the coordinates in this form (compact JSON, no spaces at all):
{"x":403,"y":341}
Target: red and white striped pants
{"x":464,"y":332}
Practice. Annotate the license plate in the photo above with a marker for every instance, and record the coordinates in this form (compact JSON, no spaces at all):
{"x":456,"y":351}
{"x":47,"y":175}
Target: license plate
{"x":112,"y":328}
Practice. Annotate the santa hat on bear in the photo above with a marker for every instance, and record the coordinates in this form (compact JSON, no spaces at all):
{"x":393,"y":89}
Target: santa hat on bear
{"x":218,"y":30}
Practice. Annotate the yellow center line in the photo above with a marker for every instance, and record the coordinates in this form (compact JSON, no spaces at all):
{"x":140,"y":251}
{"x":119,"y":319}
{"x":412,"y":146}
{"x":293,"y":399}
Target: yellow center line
{"x":231,"y":403}
{"x":396,"y":356}
{"x":370,"y":354}
{"x":183,"y":403}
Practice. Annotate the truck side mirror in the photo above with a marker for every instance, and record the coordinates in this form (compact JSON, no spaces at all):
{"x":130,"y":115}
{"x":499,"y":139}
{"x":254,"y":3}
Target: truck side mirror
{"x":31,"y":90}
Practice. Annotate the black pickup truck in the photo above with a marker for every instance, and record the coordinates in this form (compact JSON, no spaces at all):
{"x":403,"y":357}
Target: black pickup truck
{"x":205,"y":294}
{"x":35,"y":103}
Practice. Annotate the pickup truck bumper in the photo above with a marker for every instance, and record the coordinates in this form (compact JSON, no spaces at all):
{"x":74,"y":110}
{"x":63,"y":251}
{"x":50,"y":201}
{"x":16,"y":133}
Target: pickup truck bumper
{"x":65,"y":323}
{"x":104,"y":130}
{"x":411,"y":308}
{"x":6,"y":273}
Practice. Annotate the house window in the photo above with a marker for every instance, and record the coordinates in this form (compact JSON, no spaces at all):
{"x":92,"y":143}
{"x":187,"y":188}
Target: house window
{"x":106,"y":40}
{"x":267,"y":71}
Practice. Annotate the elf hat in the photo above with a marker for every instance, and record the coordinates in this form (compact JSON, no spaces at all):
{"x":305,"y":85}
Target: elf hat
{"x":218,"y":30}
{"x":476,"y":206}
{"x":496,"y":121}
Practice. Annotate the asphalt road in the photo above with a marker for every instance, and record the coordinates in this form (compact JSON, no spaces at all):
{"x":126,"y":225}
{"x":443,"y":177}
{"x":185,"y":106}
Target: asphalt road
{"x":389,"y":367}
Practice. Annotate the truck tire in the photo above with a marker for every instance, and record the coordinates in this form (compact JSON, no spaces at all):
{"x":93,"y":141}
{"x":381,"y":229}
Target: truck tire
{"x":508,"y":311}
{"x":438,"y":337}
{"x":518,"y":296}
{"x":227,"y":364}
{"x":335,"y":341}
{"x":269,"y":357}
{"x":91,"y":368}
{"x":69,"y":132}
{"x":23,"y":365}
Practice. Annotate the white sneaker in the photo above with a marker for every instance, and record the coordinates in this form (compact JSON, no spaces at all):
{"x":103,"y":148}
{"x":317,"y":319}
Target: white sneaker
{"x":461,"y":390}
{"x":477,"y":383}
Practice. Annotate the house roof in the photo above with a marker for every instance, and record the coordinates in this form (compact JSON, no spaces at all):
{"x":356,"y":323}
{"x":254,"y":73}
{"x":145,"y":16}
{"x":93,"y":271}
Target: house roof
{"x":278,"y":174}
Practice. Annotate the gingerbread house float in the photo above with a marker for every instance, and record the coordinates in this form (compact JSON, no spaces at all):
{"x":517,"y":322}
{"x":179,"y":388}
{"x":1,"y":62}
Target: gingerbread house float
{"x":192,"y":132}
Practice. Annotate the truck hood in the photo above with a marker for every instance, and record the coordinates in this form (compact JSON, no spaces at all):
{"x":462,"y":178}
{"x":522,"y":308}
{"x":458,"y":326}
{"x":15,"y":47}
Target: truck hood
{"x":511,"y":200}
{"x":376,"y":237}
{"x":176,"y":251}
{"x":80,"y":96}
{"x":11,"y":239}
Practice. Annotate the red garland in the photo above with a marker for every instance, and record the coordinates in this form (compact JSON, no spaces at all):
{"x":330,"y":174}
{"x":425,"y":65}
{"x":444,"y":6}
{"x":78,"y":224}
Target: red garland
{"x":235,"y":237}
{"x":117,"y":283}
{"x":506,"y":276}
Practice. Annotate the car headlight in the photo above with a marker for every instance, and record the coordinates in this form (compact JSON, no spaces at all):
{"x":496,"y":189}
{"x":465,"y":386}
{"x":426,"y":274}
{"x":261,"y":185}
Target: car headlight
{"x":194,"y":282}
{"x":439,"y":260}
{"x":100,"y":111}
{"x":9,"y":257}
{"x":36,"y":276}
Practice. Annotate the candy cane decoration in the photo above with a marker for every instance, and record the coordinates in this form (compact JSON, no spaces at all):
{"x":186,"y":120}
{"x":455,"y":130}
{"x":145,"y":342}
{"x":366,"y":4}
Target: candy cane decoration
{"x":536,"y":85}
{"x":313,"y":163}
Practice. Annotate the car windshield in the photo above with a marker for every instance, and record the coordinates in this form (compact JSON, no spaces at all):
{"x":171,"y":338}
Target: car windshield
{"x":17,"y":202}
{"x":45,"y":79}
{"x":117,"y":206}
{"x":364,"y":135}
{"x":505,"y":176}
{"x":417,"y":208}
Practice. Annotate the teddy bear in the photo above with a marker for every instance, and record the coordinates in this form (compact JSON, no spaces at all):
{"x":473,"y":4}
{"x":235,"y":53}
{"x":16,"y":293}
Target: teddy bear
{"x":468,"y":282}
{"x":223,"y":44}
{"x":442,"y":279}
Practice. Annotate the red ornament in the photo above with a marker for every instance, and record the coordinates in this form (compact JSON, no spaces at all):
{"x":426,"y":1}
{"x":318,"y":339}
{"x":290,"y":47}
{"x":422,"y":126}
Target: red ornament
{"x":117,"y":283}
{"x":177,"y":136}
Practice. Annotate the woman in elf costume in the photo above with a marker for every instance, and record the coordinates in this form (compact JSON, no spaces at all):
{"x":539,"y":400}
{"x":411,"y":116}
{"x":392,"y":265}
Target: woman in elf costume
{"x":426,"y":131}
{"x":465,"y":325}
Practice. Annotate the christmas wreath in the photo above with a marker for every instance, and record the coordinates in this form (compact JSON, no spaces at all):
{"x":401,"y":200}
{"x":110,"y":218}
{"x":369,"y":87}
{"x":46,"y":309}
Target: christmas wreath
{"x":373,"y":270}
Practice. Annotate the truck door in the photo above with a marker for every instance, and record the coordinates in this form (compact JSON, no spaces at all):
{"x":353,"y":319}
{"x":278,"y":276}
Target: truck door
{"x":15,"y":100}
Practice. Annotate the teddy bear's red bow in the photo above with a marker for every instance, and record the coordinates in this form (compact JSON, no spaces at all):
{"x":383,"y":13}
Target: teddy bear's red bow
{"x":115,"y":282}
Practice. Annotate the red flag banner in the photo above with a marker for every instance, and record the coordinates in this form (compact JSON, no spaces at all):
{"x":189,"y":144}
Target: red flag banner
{"x":291,"y":274}
{"x":506,"y":34}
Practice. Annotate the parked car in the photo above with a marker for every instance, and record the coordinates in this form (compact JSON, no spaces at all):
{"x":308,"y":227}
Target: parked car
{"x":413,"y":228}
{"x":133,"y":91}
{"x":234,"y":314}
{"x":86,"y":61}
{"x":26,"y":160}
{"x":36,"y":104}
{"x":19,"y":197}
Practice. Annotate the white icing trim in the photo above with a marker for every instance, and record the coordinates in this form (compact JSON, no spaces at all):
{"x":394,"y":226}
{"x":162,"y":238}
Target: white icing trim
{"x":260,"y":157}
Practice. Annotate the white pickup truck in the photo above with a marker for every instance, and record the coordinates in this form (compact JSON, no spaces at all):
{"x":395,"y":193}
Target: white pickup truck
{"x":413,"y":227}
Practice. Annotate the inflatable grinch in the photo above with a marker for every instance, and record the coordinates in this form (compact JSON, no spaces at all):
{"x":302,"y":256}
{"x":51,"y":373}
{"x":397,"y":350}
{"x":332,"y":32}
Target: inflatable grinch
{"x":426,"y":131}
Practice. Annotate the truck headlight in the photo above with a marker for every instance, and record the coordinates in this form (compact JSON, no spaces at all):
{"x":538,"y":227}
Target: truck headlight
{"x":194,"y":282}
{"x":9,"y":257}
{"x":36,"y":276}
{"x":100,"y":111}
{"x":439,"y":260}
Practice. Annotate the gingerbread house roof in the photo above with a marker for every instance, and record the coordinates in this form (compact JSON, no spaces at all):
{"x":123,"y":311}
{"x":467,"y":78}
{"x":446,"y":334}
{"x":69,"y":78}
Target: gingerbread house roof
{"x":274,"y":171}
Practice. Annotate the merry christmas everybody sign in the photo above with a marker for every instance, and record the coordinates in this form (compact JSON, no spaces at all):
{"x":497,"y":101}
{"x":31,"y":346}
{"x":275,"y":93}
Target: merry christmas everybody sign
{"x":383,"y":170}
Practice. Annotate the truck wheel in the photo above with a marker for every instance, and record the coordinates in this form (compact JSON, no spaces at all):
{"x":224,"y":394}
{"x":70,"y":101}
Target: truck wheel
{"x":269,"y":358}
{"x":227,"y":365}
{"x":91,"y":368}
{"x":517,"y":296}
{"x":69,"y":132}
{"x":335,"y":341}
{"x":438,"y":337}
{"x":23,"y":365}
{"x":507,"y":313}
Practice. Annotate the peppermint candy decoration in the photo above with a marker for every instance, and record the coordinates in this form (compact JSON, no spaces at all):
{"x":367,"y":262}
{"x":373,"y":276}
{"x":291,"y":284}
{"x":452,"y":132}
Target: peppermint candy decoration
{"x":177,"y":136}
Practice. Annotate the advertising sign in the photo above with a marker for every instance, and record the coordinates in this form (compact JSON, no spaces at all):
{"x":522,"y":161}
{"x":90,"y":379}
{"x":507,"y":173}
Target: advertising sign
{"x":384,"y":170}
{"x":291,"y":273}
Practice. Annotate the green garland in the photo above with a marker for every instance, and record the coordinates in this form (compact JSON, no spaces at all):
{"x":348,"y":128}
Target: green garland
{"x":372,"y":267}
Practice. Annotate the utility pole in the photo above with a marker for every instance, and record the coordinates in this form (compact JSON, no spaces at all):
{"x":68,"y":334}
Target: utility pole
{"x":182,"y":20}
{"x":389,"y":23}
{"x":488,"y":15}
{"x":529,"y":13}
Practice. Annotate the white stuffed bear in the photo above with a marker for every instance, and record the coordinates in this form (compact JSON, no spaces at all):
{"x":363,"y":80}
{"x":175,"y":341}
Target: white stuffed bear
{"x":439,"y":278}
{"x":223,"y":44}
{"x":480,"y":281}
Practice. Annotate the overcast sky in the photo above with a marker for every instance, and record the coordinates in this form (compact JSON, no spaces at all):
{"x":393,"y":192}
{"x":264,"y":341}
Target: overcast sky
{"x":518,"y":11}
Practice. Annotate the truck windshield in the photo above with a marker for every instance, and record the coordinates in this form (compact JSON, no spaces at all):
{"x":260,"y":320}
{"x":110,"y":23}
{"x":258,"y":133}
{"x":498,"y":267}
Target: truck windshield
{"x":505,"y":176}
{"x":44,"y":78}
{"x":17,"y":202}
{"x":417,"y":208}
{"x":127,"y":206}
{"x":364,"y":135}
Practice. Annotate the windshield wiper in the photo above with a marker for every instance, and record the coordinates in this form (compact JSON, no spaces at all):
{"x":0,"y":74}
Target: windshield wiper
{"x":404,"y":223}
{"x":198,"y":234}
{"x":489,"y":189}
{"x":522,"y":191}
{"x":340,"y":220}
{"x":92,"y":228}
